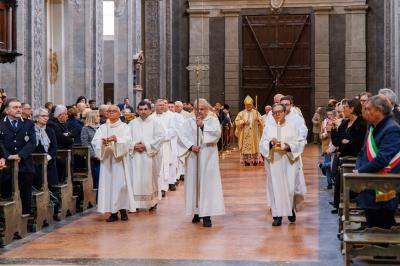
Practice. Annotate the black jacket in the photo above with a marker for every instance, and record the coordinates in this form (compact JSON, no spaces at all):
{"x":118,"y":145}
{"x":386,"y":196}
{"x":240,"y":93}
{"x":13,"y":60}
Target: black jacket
{"x":21,"y":141}
{"x":63,"y":135}
{"x":52,"y":175}
{"x":355,"y":134}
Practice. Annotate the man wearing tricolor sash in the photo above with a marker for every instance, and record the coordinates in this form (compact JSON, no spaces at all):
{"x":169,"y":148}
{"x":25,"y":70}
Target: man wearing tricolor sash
{"x":380,"y":154}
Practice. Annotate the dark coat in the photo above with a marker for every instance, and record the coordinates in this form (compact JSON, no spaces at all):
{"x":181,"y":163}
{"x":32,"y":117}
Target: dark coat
{"x":122,"y":106}
{"x":75,"y":127}
{"x":52,"y":174}
{"x":387,"y":140}
{"x":396,"y":113}
{"x":63,"y":135}
{"x":355,"y":134}
{"x":21,"y":141}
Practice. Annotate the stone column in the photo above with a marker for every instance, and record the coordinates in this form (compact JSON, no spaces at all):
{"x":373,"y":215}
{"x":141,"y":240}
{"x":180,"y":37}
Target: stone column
{"x":395,"y":46}
{"x":356,"y":51}
{"x":152,"y":48}
{"x":232,"y":59}
{"x":21,"y":61}
{"x":321,"y":74}
{"x":98,"y":79}
{"x":163,"y":49}
{"x":38,"y":74}
{"x":123,"y":50}
{"x":199,"y":48}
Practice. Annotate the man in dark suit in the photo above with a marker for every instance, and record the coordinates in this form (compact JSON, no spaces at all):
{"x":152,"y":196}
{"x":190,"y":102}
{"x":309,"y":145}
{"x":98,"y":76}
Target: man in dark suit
{"x":380,"y":154}
{"x":125,"y":105}
{"x":18,"y":141}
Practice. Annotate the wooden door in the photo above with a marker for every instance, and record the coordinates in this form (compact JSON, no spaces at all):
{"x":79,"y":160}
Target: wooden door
{"x":276,"y":58}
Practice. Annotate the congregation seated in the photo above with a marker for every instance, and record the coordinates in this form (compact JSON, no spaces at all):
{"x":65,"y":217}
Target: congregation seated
{"x":380,"y":154}
{"x":348,"y":137}
{"x":58,"y":124}
{"x":46,"y":142}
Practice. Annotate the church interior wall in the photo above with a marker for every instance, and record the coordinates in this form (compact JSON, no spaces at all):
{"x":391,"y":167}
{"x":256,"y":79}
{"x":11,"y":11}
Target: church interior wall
{"x":108,"y":61}
{"x":217,"y":60}
{"x":375,"y":45}
{"x":337,"y":44}
{"x":180,"y":50}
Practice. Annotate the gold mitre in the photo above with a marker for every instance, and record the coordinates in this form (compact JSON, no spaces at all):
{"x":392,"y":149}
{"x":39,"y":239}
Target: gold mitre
{"x":248,"y":100}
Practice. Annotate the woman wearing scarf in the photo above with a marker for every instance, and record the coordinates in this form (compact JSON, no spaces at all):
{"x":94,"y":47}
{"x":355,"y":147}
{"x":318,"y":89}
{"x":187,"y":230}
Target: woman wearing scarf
{"x":92,"y":123}
{"x":46,"y":142}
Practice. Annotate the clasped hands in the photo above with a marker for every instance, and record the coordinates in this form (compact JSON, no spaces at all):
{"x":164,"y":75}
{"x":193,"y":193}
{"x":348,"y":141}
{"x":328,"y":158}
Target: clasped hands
{"x":276,"y":143}
{"x":14,"y":157}
{"x":109,"y":140}
{"x":139,"y":147}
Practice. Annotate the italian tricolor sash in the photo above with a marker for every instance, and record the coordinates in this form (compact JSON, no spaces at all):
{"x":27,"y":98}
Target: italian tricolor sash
{"x":372,"y":152}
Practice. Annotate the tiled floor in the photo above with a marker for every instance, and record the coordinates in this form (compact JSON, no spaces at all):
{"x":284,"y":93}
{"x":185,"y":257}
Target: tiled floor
{"x":244,"y":236}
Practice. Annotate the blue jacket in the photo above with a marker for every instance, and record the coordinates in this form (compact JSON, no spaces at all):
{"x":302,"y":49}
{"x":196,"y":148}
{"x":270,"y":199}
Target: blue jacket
{"x":387,"y":139}
{"x":21,"y":141}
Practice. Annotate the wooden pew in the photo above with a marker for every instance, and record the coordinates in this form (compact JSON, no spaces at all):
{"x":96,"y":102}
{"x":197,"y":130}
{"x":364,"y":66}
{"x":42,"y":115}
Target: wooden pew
{"x":64,"y":191}
{"x":13,"y":224}
{"x":345,"y":168}
{"x":42,"y":211}
{"x":369,"y":245}
{"x":82,"y":179}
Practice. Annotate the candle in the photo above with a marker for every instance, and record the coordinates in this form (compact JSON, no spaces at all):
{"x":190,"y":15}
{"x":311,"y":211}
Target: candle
{"x":279,"y":131}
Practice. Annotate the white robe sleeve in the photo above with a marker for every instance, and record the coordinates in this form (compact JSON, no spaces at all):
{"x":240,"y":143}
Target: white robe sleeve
{"x":154,"y":146}
{"x":295,"y":143}
{"x":211,"y":131}
{"x":185,"y":136}
{"x":264,"y":143}
{"x":97,"y":142}
{"x":119,"y":148}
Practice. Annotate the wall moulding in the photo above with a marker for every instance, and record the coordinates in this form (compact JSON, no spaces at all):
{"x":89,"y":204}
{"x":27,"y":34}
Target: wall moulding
{"x":242,"y":4}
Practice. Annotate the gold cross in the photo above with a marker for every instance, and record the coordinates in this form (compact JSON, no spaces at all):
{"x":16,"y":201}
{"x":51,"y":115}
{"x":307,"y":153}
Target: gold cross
{"x":197,"y":68}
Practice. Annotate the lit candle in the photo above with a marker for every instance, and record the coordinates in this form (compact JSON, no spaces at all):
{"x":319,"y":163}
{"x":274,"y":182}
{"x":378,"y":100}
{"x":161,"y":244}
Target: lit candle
{"x":279,"y":131}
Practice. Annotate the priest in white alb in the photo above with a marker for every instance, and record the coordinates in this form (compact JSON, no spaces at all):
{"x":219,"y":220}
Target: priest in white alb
{"x":203,"y":188}
{"x":111,"y":145}
{"x":147,"y":136}
{"x":281,"y":147}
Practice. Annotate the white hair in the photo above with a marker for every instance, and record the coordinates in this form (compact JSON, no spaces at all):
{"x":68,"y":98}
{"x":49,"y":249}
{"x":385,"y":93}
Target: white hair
{"x":202,"y":101}
{"x":179,"y":103}
{"x":59,"y":109}
{"x":39,"y":111}
{"x":389,"y":94}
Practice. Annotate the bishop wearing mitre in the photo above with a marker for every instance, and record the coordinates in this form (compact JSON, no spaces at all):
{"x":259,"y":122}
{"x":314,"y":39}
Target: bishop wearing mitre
{"x":249,"y":127}
{"x":111,"y":144}
{"x":281,"y":147}
{"x":147,"y":136}
{"x":203,"y":188}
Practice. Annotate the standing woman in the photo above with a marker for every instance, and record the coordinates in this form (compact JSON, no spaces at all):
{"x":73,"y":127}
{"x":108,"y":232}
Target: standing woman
{"x":46,"y":142}
{"x":317,"y":121}
{"x":348,"y":137}
{"x":92,"y":123}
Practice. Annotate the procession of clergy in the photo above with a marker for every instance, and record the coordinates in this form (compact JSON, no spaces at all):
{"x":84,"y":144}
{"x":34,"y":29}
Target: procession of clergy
{"x":142,"y":160}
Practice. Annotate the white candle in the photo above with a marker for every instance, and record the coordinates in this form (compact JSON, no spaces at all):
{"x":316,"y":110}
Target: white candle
{"x":279,"y":131}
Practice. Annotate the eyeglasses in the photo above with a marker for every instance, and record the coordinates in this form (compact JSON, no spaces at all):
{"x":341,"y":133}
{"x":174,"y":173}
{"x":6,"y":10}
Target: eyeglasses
{"x":43,"y":116}
{"x":112,"y":111}
{"x":277,"y":112}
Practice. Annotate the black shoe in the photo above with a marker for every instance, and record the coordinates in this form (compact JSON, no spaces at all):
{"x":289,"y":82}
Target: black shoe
{"x":329,"y":186}
{"x":246,"y":164}
{"x":163,"y":193}
{"x":182,"y":178}
{"x":334,"y":211}
{"x":153,"y":208}
{"x":331,"y":203}
{"x":172,"y":187}
{"x":124,"y":215}
{"x":277,"y":221}
{"x":113,"y":217}
{"x":196,"y":219}
{"x":207,"y":221}
{"x":55,"y":218}
{"x":292,"y":218}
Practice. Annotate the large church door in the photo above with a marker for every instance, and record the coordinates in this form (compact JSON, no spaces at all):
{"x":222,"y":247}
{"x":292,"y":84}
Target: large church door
{"x":276,"y":58}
